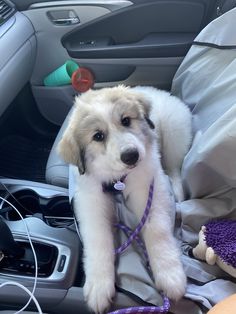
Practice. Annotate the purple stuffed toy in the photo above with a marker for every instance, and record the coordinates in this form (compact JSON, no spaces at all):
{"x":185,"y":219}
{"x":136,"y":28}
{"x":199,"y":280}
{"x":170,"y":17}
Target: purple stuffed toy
{"x":217,"y":245}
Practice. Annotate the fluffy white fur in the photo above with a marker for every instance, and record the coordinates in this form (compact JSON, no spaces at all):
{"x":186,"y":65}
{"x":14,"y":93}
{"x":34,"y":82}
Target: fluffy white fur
{"x":100,"y":161}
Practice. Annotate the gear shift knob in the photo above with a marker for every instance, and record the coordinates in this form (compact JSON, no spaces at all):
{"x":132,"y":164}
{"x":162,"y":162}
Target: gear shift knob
{"x":7,"y":243}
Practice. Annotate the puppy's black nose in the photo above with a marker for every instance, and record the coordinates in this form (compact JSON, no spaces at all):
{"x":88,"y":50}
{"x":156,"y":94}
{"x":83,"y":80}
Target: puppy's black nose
{"x":130,"y":157}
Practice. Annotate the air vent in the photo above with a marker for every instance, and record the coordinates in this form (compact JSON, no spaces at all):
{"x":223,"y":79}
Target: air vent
{"x":7,"y":9}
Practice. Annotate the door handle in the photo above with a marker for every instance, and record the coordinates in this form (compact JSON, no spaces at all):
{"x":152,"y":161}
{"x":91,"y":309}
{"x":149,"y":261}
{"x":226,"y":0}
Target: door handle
{"x":63,"y":17}
{"x":67,"y":21}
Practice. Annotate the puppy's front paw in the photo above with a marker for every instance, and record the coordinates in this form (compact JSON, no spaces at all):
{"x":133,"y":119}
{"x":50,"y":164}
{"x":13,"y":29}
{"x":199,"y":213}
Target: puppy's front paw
{"x":98,"y":293}
{"x":172,"y":281}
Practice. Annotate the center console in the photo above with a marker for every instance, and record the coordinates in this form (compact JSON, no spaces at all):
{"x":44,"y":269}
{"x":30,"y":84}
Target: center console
{"x":46,"y":211}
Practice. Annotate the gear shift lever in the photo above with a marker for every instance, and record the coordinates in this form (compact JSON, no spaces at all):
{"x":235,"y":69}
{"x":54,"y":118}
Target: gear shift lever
{"x":7,"y":243}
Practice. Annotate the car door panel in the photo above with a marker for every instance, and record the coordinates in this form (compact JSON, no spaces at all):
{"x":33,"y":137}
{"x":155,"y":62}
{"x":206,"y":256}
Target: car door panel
{"x":160,"y":28}
{"x":151,"y":36}
{"x":121,"y":42}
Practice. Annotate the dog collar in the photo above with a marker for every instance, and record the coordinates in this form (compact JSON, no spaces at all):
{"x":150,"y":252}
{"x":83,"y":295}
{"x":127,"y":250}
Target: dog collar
{"x":115,"y":186}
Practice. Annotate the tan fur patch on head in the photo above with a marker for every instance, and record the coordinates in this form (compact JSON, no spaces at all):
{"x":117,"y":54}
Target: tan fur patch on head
{"x":114,"y":95}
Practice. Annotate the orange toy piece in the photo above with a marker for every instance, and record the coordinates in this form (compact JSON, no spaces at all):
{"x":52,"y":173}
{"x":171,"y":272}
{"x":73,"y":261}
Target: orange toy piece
{"x":226,"y":306}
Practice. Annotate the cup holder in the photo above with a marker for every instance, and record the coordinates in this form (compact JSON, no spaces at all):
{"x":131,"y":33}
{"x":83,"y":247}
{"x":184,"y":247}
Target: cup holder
{"x":29,"y":203}
{"x":59,"y":206}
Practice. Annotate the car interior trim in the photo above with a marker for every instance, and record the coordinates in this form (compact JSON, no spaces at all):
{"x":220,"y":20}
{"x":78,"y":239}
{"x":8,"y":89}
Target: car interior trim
{"x":108,"y":4}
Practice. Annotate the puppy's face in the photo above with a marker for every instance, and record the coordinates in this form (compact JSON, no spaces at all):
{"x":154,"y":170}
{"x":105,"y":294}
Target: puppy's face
{"x":109,"y":133}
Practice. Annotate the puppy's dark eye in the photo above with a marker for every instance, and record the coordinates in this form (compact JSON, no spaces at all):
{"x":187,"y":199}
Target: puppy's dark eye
{"x":99,"y":136}
{"x":126,"y":121}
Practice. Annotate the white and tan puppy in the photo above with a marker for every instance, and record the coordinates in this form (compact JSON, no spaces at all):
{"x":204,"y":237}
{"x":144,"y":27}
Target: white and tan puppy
{"x":129,"y":133}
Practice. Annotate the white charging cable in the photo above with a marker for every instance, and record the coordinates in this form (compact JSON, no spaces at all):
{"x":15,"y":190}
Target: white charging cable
{"x":32,"y":297}
{"x":31,"y":293}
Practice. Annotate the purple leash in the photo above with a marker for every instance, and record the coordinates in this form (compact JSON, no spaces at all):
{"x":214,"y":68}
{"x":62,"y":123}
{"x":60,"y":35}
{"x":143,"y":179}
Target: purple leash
{"x":139,"y":227}
{"x":128,"y":231}
{"x":133,"y":235}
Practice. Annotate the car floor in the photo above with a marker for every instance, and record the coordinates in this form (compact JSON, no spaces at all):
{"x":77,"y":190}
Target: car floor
{"x":23,"y":158}
{"x":26,"y":140}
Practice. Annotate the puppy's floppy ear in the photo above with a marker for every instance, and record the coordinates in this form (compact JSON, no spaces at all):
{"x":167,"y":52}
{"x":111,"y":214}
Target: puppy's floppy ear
{"x":146,"y":108}
{"x":71,"y":151}
{"x":149,"y":122}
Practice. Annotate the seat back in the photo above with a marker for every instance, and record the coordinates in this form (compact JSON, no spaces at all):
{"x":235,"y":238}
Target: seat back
{"x":206,"y":81}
